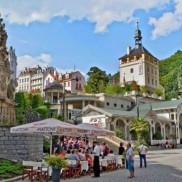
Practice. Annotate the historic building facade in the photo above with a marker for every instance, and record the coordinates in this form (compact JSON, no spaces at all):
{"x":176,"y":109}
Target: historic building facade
{"x":140,"y":66}
{"x":31,"y":80}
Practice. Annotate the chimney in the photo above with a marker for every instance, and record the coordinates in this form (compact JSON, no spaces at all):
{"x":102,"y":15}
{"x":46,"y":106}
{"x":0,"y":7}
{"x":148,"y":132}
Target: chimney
{"x":128,"y":50}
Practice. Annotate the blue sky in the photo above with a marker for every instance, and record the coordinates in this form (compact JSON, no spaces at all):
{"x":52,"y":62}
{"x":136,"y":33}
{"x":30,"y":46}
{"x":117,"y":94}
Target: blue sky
{"x":82,"y":34}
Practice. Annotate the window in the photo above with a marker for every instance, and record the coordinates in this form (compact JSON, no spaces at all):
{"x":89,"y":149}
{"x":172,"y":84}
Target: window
{"x":76,"y":85}
{"x":152,"y":81}
{"x":80,"y":86}
{"x":115,"y":105}
{"x":148,"y":80}
{"x":131,"y":70}
{"x":156,"y":82}
{"x":172,"y":116}
{"x":121,"y":105}
{"x":107,"y":103}
{"x":148,"y":69}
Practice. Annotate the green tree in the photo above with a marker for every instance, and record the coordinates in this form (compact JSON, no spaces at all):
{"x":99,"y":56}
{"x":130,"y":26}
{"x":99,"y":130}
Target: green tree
{"x":114,"y":89}
{"x":118,"y":133}
{"x":43,"y":111}
{"x":157,"y":135}
{"x":22,"y":99}
{"x":37,"y":101}
{"x":158,"y":91}
{"x":97,"y":80}
{"x":139,"y":125}
{"x":169,"y":71}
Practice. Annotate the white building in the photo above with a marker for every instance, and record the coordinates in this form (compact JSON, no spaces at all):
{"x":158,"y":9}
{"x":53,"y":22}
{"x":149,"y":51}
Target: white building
{"x":32,"y":79}
{"x":139,"y":65}
{"x":73,"y":81}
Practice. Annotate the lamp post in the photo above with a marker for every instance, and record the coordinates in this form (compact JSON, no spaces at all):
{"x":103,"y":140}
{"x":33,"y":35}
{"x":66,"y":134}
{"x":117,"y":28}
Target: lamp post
{"x":138,"y":114}
{"x":63,"y":102}
{"x":175,"y":135}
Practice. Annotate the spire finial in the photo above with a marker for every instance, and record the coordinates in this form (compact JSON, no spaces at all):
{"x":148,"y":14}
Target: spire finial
{"x":138,"y":35}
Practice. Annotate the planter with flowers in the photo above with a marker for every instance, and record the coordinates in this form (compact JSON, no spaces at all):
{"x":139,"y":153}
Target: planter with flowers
{"x":57,"y":163}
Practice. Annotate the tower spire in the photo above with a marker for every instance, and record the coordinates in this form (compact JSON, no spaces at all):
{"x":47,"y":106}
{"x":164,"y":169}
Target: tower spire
{"x":138,"y":36}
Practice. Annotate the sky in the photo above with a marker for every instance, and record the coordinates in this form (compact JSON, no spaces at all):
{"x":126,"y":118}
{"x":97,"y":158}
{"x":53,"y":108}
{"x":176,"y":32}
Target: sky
{"x":79,"y":34}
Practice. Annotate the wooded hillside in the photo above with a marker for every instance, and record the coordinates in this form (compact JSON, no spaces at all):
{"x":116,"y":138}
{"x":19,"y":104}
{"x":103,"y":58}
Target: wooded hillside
{"x":171,"y":75}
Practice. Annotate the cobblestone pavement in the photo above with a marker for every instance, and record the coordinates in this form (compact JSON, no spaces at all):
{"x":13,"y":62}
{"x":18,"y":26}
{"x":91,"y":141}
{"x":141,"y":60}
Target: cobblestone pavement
{"x":163,"y":166}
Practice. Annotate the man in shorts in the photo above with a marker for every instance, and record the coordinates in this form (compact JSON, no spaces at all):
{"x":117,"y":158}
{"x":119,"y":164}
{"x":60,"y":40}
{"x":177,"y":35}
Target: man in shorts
{"x":130,"y":159}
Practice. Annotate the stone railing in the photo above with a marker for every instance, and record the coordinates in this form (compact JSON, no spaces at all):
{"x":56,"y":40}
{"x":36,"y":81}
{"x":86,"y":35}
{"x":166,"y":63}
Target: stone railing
{"x":158,"y":142}
{"x":115,"y":140}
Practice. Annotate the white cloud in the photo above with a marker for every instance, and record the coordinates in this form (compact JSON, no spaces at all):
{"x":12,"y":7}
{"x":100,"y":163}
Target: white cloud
{"x":100,"y":12}
{"x":168,"y":22}
{"x":43,"y":60}
{"x":28,"y":61}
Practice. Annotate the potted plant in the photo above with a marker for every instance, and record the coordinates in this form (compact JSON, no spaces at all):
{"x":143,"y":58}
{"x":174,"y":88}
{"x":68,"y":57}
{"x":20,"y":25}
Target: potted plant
{"x":57,"y":163}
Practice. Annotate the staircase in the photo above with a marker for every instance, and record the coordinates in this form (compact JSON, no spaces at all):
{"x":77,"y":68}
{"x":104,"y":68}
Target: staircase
{"x":113,"y":142}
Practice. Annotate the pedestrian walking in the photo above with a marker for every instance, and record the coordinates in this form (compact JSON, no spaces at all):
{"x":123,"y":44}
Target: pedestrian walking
{"x":142,"y":150}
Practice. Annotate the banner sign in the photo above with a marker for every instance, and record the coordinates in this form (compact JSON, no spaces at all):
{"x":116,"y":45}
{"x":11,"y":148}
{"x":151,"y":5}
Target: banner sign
{"x":97,"y":120}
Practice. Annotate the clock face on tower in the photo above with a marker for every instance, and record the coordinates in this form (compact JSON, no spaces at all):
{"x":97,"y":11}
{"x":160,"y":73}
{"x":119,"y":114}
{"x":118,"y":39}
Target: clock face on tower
{"x":140,"y":66}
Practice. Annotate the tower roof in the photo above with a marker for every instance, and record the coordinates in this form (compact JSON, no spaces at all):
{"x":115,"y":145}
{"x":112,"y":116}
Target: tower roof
{"x":139,"y":48}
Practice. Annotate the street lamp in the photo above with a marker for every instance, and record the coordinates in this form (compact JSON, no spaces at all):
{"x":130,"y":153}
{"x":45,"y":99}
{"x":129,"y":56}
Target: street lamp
{"x":63,"y":109}
{"x":175,"y":134}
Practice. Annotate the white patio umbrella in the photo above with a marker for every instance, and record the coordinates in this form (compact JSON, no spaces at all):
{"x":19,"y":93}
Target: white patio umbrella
{"x":95,"y":130}
{"x":49,"y":127}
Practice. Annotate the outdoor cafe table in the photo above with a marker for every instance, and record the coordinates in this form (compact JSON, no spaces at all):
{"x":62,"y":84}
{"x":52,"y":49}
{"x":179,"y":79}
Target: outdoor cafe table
{"x":84,"y":166}
{"x":103,"y":162}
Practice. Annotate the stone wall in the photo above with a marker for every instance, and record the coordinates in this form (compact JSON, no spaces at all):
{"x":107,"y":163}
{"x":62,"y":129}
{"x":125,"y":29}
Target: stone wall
{"x":20,"y":146}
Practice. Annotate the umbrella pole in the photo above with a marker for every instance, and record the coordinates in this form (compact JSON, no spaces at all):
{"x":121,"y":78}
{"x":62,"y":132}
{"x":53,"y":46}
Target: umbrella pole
{"x":51,"y":144}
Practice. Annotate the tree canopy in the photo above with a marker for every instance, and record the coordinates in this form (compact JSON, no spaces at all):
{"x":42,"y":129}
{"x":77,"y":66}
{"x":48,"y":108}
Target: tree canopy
{"x":139,"y":125}
{"x":97,"y":80}
{"x":170,"y":70}
{"x":28,"y":106}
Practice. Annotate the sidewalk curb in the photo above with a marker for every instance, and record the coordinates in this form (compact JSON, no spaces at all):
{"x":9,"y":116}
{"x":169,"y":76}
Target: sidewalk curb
{"x":12,"y":179}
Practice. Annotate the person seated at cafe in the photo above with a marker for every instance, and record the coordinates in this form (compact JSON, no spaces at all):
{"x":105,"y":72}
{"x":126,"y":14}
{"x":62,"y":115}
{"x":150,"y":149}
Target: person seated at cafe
{"x":74,"y":156}
{"x":89,"y":158}
{"x":68,"y":154}
{"x":111,"y":153}
{"x":57,"y":148}
{"x":62,"y":154}
{"x":81,"y":155}
{"x":76,"y":145}
{"x":70,"y":145}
